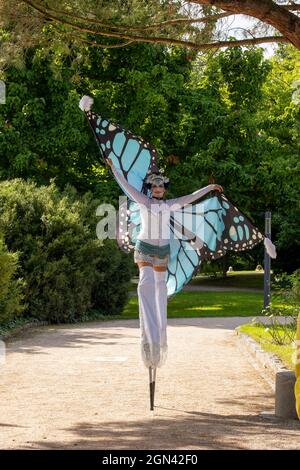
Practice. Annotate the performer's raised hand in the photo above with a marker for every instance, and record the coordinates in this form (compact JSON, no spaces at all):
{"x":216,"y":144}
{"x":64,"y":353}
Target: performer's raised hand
{"x":218,"y":188}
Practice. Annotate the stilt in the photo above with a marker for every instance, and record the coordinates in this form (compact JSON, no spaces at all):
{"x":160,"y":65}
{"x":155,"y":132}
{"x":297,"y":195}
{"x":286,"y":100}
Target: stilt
{"x":153,"y":381}
{"x":152,"y":375}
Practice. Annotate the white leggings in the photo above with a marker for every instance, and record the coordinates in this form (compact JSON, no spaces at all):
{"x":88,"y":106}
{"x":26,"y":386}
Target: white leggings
{"x":152,"y":296}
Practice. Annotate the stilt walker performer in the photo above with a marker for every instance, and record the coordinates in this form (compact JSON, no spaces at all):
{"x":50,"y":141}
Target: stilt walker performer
{"x":170,"y":237}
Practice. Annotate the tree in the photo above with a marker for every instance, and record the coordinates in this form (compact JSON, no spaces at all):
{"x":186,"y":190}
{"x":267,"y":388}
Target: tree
{"x":44,"y":134}
{"x":199,"y":25}
{"x":241,"y":119}
{"x":41,"y":129}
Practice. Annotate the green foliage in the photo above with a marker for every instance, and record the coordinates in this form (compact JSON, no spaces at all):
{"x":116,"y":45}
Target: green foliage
{"x":281,"y":325}
{"x":288,"y":286}
{"x":283,"y":317}
{"x":280,"y":129}
{"x":114,"y":271}
{"x":43,"y":132}
{"x":141,"y":89}
{"x":60,"y":256}
{"x":244,"y":133}
{"x":243,"y":74}
{"x":11,"y":288}
{"x":295,"y":290}
{"x":41,"y":127}
{"x":68,"y":25}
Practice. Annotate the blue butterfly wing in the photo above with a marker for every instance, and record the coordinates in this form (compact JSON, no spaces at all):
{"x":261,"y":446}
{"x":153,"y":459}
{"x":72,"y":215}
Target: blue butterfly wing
{"x":226,"y":228}
{"x":128,"y":225}
{"x":183,"y":263}
{"x":133,"y":156}
{"x":206,"y":229}
{"x":129,"y":153}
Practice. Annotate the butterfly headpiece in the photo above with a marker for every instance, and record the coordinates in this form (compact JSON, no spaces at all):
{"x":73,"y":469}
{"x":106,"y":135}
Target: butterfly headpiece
{"x":153,"y":176}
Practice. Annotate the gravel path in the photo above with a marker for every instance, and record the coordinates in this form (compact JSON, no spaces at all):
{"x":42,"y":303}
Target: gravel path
{"x":85,"y":387}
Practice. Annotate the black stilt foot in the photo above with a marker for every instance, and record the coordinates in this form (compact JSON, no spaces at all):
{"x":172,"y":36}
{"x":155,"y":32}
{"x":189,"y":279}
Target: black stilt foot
{"x":152,"y":396}
{"x":152,"y":374}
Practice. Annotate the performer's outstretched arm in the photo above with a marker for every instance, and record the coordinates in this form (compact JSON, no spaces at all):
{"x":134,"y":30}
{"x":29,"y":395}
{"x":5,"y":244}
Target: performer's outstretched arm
{"x":130,"y":190}
{"x":183,"y":200}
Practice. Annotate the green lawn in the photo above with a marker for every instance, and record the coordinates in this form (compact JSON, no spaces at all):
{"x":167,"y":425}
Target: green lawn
{"x":248,"y":279}
{"x":207,"y":304}
{"x":263,"y":337}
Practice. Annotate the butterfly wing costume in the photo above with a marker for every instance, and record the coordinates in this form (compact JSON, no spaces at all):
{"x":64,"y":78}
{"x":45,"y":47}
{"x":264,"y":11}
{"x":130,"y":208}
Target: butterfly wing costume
{"x":204,"y":225}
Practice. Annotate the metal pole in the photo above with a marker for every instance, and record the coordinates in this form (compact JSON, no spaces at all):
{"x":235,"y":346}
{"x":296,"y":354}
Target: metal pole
{"x":267,"y":261}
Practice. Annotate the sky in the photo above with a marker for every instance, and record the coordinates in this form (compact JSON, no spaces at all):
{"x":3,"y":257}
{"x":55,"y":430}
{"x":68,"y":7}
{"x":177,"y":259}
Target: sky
{"x":235,"y":26}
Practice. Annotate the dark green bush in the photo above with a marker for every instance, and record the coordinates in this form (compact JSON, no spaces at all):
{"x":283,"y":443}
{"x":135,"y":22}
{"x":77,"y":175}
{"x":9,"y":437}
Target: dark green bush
{"x":11,"y":288}
{"x":66,"y":268}
{"x":114,"y":272}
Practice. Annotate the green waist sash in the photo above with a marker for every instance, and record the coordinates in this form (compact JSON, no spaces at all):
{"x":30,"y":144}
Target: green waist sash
{"x":154,"y":250}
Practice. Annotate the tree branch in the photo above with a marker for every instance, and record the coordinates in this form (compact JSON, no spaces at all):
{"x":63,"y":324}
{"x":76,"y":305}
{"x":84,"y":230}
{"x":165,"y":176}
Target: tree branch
{"x":248,"y":7}
{"x":124,"y":27}
{"x":98,"y":44}
{"x":278,"y":16}
{"x":197,"y":47}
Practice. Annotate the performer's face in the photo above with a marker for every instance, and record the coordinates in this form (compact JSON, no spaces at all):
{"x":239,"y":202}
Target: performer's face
{"x":158,"y":189}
